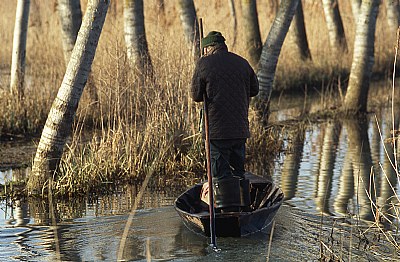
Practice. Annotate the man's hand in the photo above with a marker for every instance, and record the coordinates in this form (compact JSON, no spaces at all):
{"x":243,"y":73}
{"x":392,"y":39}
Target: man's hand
{"x":204,"y":193}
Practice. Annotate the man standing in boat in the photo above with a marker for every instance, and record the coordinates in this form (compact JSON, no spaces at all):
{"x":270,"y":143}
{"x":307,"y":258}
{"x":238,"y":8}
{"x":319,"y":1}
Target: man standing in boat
{"x":227,"y":81}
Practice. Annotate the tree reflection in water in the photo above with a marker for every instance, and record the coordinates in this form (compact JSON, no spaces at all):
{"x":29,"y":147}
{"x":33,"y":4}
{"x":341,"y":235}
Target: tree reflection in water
{"x":349,"y":179}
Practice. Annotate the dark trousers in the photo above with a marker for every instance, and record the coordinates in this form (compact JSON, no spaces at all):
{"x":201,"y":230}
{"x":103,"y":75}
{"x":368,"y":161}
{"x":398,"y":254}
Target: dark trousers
{"x":227,"y":157}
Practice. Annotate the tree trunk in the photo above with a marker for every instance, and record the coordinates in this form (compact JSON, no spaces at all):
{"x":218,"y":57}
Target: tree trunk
{"x":251,"y":27}
{"x":363,"y":58}
{"x":59,"y":122}
{"x":271,"y":51}
{"x":355,"y":9}
{"x":19,"y":48}
{"x":70,"y":14}
{"x":135,"y":37}
{"x":299,"y":35}
{"x":337,"y":38}
{"x":190,"y":25}
{"x":232,"y":11}
{"x":392,"y":14}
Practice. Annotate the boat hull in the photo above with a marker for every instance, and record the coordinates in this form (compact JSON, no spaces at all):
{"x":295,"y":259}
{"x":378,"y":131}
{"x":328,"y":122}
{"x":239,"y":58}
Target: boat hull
{"x":266,"y":198}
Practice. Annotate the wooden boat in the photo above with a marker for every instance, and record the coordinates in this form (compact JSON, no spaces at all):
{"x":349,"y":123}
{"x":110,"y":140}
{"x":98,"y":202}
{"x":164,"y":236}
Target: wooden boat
{"x":266,"y":198}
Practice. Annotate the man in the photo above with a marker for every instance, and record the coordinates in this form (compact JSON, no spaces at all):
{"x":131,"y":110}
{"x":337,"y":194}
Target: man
{"x":228,"y":81}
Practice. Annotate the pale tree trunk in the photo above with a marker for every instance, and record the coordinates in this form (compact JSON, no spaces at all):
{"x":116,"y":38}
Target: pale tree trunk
{"x":358,"y":144}
{"x":392,"y":14}
{"x":271,"y":51}
{"x":19,"y":49}
{"x":291,"y":166}
{"x":70,"y":14}
{"x":325,"y":174}
{"x":363,"y":58}
{"x":251,"y":30}
{"x":232,"y":11}
{"x":298,"y":34}
{"x":190,"y":25}
{"x":135,"y":37}
{"x":355,"y":9}
{"x":59,"y":122}
{"x":337,"y":38}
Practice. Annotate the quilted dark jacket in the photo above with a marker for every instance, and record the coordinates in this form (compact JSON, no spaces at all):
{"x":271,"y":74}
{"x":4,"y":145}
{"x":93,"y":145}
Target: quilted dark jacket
{"x":228,"y":81}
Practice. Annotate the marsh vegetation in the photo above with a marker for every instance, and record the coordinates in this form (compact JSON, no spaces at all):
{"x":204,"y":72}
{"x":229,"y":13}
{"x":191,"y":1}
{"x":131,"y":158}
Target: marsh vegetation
{"x":132,"y":123}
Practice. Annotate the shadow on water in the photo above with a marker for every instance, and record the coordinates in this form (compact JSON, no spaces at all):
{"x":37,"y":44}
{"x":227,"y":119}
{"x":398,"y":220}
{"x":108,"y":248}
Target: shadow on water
{"x":336,"y":176}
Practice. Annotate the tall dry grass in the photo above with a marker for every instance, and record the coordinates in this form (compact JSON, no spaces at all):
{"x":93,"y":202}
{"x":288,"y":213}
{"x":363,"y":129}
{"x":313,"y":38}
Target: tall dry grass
{"x":136,"y":118}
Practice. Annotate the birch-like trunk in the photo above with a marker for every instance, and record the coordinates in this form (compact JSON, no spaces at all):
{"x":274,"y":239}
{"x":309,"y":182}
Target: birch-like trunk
{"x":251,"y":30}
{"x":355,"y":9}
{"x":392,"y":14}
{"x":271,"y":51}
{"x":337,"y":38}
{"x":19,"y":48}
{"x":70,"y":14}
{"x":59,"y":121}
{"x":298,"y":34}
{"x":190,"y":25}
{"x":363,"y":58}
{"x":135,"y":37}
{"x":232,"y":11}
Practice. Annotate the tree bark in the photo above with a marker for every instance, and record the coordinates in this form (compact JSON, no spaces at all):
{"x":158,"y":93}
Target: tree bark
{"x":232,"y":11}
{"x":19,"y":48}
{"x":135,"y":37}
{"x":59,"y":122}
{"x":299,"y":35}
{"x":337,"y":38}
{"x":355,"y":9}
{"x":392,"y":14}
{"x":190,"y":25}
{"x":70,"y":14}
{"x":363,"y":58}
{"x":271,"y":51}
{"x":252,"y":31}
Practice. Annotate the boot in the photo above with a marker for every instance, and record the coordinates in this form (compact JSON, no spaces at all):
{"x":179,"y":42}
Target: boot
{"x":245,"y":198}
{"x":227,"y":194}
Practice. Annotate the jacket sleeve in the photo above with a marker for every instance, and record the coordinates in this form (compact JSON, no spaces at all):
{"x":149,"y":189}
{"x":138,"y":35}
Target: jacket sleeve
{"x":198,"y":85}
{"x":254,"y":88}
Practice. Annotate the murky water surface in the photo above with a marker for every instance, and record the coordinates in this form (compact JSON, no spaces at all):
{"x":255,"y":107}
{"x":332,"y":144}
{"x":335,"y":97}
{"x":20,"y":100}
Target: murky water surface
{"x":323,"y":173}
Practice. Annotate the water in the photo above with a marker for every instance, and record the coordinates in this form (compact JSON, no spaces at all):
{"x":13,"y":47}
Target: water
{"x":324,"y":171}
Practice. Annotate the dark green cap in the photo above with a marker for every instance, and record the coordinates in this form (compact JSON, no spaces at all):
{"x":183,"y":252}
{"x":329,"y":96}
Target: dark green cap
{"x":212,"y":38}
